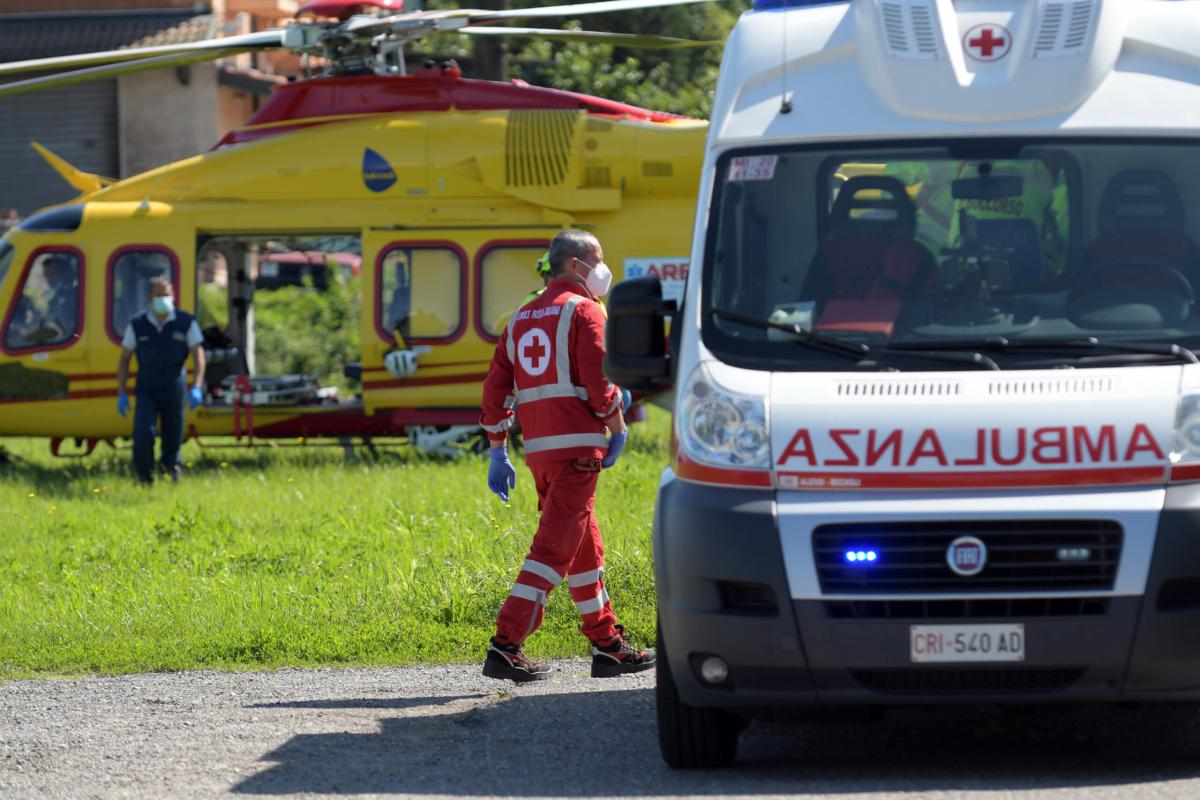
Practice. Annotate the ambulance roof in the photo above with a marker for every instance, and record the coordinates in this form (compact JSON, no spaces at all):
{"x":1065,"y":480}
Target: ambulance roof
{"x":871,"y":69}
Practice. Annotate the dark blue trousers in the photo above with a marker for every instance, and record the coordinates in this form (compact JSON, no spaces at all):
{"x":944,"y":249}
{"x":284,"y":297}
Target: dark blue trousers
{"x":153,"y":406}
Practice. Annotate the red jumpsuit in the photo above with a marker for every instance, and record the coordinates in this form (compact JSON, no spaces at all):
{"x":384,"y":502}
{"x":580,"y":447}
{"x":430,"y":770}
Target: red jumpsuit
{"x":548,"y":364}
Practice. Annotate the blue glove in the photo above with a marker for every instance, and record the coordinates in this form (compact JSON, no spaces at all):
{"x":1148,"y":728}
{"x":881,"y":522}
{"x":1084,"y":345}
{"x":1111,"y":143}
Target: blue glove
{"x":614,"y":449}
{"x":626,"y":400}
{"x":501,"y":475}
{"x":195,"y":397}
{"x":122,"y":403}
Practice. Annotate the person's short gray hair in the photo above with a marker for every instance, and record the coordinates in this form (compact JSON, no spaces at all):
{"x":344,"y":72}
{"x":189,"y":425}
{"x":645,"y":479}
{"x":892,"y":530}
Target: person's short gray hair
{"x":570,"y":244}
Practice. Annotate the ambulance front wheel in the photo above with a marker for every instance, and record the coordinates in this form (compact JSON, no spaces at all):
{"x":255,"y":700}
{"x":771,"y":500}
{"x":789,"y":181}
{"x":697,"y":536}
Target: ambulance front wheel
{"x":691,"y":737}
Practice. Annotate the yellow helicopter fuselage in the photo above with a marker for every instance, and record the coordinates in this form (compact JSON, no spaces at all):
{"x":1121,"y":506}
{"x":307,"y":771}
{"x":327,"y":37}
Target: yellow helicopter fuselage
{"x":451,"y":187}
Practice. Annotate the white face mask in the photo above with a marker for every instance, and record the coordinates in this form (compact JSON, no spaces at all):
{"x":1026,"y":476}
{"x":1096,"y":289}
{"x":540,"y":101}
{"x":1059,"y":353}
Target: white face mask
{"x":599,"y":279}
{"x":162,"y":305}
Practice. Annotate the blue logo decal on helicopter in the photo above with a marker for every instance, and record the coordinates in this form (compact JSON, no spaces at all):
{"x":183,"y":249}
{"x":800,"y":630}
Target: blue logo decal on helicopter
{"x":377,"y":173}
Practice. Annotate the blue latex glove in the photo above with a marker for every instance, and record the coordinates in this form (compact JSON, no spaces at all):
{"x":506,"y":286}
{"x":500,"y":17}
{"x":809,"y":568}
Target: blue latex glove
{"x":626,"y":400}
{"x":195,"y":397}
{"x":122,"y":403}
{"x":615,"y":443}
{"x":501,"y":475}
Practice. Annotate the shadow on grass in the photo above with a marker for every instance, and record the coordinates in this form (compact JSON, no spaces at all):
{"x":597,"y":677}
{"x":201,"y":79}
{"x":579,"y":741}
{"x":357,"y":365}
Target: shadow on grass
{"x":605,"y":743}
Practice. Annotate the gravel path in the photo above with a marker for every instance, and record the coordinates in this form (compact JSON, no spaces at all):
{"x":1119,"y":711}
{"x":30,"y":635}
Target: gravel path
{"x":447,"y":732}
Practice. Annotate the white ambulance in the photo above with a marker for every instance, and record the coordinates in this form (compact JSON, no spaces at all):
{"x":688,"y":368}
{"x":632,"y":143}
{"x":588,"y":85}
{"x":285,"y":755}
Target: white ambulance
{"x":937,"y":412}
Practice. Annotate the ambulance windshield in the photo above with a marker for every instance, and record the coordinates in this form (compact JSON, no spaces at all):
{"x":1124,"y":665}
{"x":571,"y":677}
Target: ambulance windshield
{"x":953,"y":247}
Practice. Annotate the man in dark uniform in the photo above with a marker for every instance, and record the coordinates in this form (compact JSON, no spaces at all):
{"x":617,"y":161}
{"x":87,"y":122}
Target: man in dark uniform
{"x":162,"y":337}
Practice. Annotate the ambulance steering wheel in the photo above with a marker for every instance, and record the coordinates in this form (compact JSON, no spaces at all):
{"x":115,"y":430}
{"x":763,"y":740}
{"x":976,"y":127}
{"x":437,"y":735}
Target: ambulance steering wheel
{"x":1136,"y":272}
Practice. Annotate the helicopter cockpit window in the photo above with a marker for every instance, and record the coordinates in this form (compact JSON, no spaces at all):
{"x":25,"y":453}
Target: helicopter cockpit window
{"x":507,"y":275}
{"x":6,"y":259}
{"x":420,"y":292}
{"x":47,"y":307}
{"x":129,"y":284}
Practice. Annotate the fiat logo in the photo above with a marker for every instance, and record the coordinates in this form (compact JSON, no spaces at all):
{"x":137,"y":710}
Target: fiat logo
{"x":966,"y":556}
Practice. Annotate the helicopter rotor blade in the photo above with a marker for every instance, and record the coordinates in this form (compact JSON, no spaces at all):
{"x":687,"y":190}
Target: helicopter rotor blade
{"x":618,"y":39}
{"x":112,"y":70}
{"x":579,"y":9}
{"x":262,"y":40}
{"x":471,"y":15}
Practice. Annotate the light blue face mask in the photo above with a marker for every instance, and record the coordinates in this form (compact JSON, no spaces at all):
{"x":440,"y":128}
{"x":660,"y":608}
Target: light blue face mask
{"x":162,"y":305}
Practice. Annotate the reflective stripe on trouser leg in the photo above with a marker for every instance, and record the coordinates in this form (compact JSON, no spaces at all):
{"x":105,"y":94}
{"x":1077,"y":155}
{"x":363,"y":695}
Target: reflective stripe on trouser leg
{"x":521,"y":613}
{"x":565,"y":496}
{"x":585,"y":581}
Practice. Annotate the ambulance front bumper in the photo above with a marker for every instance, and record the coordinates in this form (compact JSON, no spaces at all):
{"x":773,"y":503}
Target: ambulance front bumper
{"x":723,"y":590}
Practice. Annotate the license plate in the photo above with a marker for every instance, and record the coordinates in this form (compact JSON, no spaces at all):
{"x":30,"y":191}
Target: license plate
{"x":942,"y":643}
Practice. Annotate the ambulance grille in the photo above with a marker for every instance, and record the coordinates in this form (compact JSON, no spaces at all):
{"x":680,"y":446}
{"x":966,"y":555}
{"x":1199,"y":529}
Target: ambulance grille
{"x":1022,"y":556}
{"x":1064,"y":28}
{"x":1052,"y":386}
{"x":911,"y":29}
{"x":898,"y":388}
{"x":983,"y":608}
{"x":538,"y":147}
{"x":985,"y":680}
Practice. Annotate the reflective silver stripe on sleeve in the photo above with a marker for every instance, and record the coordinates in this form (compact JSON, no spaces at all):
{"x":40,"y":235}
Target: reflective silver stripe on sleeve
{"x":551,"y":390}
{"x":543,"y":443}
{"x":612,"y":409}
{"x":584,"y":578}
{"x":542,"y":571}
{"x":510,"y":401}
{"x":500,"y":427}
{"x":527,"y":593}
{"x":562,"y":341}
{"x":593,"y":606}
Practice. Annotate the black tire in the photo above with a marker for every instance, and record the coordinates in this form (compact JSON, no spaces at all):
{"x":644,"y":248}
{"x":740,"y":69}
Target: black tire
{"x":691,"y":738}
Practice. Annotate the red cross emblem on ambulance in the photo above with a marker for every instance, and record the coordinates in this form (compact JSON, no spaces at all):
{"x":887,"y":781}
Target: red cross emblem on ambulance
{"x":988,"y":42}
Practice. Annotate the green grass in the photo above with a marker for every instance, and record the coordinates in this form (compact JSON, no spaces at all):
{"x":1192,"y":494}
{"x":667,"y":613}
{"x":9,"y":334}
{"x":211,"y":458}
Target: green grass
{"x":288,"y":557}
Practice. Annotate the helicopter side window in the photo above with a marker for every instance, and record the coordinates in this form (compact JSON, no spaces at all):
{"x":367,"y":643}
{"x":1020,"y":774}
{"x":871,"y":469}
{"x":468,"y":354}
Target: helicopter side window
{"x":507,"y":276}
{"x":47,"y":311}
{"x":421,"y":292}
{"x":129,"y":275}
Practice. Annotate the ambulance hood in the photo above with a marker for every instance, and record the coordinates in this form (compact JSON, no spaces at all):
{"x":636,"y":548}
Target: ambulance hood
{"x":973,"y":430}
{"x":935,"y":67}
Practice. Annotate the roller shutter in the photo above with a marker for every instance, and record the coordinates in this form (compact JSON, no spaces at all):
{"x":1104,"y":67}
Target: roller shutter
{"x":78,"y":123}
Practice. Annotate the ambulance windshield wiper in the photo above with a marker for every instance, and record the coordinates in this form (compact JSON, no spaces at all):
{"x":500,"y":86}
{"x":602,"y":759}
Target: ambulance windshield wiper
{"x":832,"y":344}
{"x":819,"y":341}
{"x":1004,"y":345}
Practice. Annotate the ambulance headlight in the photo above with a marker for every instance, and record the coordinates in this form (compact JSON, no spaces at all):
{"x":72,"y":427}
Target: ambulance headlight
{"x":722,"y":428}
{"x":1185,"y":448}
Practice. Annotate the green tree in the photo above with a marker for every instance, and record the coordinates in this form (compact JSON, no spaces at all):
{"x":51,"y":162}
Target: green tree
{"x":681,"y":81}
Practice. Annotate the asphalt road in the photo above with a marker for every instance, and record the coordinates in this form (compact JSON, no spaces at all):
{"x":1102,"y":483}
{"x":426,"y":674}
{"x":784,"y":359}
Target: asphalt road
{"x":447,"y":732}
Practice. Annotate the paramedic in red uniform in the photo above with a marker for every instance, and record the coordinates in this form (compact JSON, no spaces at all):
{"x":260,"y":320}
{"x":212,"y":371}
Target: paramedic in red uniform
{"x":548,"y":365}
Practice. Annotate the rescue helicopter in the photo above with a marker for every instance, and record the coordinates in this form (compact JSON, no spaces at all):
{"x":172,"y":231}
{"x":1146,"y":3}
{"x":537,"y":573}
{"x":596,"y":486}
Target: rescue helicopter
{"x":443,"y":190}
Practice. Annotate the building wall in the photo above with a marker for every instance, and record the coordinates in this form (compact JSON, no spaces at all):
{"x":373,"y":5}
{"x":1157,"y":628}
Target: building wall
{"x":163,"y":119}
{"x":25,"y":6}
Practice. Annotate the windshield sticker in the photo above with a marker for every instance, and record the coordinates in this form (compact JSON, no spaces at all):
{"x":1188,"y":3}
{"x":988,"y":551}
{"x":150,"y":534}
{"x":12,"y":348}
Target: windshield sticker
{"x":753,"y":168}
{"x":672,"y":272}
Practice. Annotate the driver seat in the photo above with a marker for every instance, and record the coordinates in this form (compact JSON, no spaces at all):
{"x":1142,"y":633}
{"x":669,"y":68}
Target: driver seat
{"x":1142,"y":216}
{"x":870,"y":261}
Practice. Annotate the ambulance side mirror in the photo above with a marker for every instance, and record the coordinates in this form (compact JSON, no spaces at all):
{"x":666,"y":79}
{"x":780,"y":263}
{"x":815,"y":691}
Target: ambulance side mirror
{"x":636,"y":336}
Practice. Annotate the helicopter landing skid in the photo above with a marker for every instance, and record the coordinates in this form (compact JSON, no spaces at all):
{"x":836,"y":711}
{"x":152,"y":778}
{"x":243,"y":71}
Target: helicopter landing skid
{"x":446,"y":442}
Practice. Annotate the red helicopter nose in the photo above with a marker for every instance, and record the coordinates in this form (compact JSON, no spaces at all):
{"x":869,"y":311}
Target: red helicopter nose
{"x":344,"y":9}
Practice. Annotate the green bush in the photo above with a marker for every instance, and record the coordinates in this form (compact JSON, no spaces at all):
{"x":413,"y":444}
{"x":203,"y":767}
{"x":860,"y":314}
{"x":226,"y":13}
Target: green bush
{"x":302,"y":330}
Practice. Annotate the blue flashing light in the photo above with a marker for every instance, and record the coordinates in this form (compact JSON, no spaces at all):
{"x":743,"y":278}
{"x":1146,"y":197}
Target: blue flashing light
{"x":777,"y":5}
{"x":861,"y":556}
